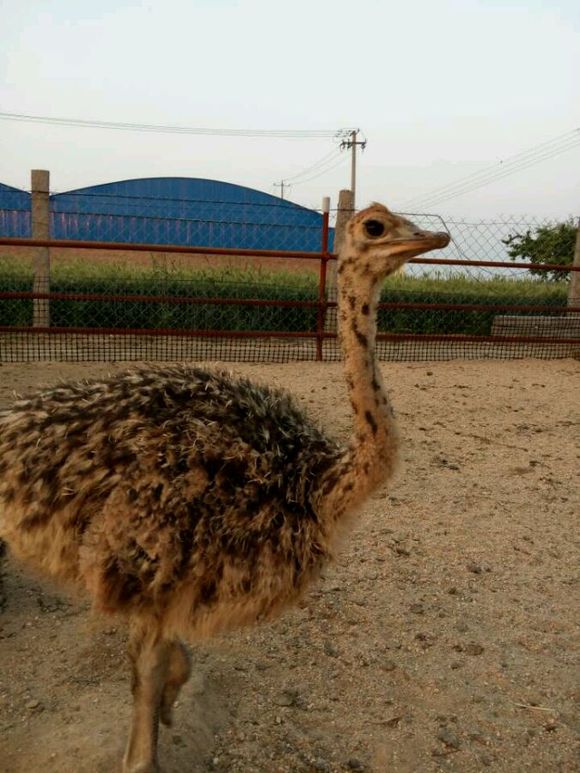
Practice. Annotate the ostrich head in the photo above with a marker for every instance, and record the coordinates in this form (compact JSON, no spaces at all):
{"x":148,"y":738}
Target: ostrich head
{"x":383,"y":241}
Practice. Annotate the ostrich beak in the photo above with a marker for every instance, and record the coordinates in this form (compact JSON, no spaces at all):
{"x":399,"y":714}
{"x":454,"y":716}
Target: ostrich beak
{"x":441,"y":239}
{"x":419,"y":242}
{"x":430,"y":240}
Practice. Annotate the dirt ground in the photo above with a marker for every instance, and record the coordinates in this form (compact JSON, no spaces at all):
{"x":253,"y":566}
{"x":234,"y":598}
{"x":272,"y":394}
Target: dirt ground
{"x":445,"y":638}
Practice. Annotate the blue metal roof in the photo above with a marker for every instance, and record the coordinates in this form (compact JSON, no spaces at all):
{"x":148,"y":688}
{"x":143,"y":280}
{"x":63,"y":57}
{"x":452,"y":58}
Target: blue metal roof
{"x":170,"y":210}
{"x":14,"y":212}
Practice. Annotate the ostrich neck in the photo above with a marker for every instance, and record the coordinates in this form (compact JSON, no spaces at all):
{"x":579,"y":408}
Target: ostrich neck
{"x":371,"y":455}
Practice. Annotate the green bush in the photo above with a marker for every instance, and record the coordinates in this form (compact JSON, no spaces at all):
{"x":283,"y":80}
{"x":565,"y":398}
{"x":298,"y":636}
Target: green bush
{"x":548,"y":244}
{"x":17,"y":312}
{"x":460,"y":290}
{"x":141,"y":314}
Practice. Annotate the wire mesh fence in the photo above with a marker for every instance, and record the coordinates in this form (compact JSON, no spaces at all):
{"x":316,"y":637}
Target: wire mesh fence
{"x":147,"y":294}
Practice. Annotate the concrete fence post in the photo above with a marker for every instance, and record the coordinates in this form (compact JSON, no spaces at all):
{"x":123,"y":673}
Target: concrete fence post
{"x":40,"y":189}
{"x":574,"y":290}
{"x":343,"y":215}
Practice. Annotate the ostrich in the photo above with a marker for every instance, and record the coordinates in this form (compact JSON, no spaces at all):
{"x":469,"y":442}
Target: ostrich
{"x":189,"y":501}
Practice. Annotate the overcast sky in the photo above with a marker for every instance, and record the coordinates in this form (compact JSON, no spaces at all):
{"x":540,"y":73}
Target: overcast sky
{"x":441,"y":89}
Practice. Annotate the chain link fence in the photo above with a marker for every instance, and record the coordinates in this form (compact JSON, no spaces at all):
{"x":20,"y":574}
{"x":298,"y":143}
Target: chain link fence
{"x":259,"y":284}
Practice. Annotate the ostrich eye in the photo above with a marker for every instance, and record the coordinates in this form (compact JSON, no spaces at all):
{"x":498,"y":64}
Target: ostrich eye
{"x":374,"y":228}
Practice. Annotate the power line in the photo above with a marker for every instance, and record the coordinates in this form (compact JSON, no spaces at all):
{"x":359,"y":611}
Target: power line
{"x":320,"y":167}
{"x":518,"y":162}
{"x":497,"y":175}
{"x":169,"y":129}
{"x":500,"y":174}
{"x":487,"y":170}
{"x":334,"y":153}
{"x":487,"y":176}
{"x":340,"y":161}
{"x":512,"y":170}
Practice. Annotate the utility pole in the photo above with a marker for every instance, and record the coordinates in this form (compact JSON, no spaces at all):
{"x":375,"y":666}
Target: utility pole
{"x":352,"y":144}
{"x":282,"y":184}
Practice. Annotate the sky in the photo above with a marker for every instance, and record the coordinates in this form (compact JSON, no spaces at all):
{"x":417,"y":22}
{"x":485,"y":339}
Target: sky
{"x":440,"y":89}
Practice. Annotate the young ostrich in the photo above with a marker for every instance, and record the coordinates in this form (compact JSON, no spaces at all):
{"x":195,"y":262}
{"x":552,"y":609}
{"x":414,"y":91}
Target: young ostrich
{"x":190,"y":501}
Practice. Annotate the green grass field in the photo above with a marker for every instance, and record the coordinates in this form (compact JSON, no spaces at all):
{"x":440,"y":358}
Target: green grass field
{"x":261,"y":285}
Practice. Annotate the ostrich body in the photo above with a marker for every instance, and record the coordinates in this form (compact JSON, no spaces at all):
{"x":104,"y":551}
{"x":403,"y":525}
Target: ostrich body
{"x":192,"y":502}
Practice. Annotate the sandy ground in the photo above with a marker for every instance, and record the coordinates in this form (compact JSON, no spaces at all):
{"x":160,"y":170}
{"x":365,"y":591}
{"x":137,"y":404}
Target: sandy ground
{"x":445,"y":638}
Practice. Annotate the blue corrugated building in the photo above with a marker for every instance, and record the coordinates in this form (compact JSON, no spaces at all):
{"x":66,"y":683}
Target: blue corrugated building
{"x":170,"y":210}
{"x":14,"y":212}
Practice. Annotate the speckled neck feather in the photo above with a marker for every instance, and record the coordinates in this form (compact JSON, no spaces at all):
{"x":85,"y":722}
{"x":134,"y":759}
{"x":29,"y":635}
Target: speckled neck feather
{"x":371,"y":456}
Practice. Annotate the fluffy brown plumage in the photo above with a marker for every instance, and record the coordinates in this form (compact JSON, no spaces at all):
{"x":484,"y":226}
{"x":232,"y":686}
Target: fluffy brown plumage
{"x":191,"y":501}
{"x":167,"y":487}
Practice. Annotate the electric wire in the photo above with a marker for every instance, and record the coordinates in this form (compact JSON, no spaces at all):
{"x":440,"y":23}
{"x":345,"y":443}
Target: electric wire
{"x":340,"y":161}
{"x":169,"y":129}
{"x":523,"y":160}
{"x":327,"y":158}
{"x":476,"y":184}
{"x":467,"y":186}
{"x":510,"y":160}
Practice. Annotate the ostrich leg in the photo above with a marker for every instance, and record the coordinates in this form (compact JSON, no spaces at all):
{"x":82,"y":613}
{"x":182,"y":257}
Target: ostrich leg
{"x":177,"y":675}
{"x":150,"y":656}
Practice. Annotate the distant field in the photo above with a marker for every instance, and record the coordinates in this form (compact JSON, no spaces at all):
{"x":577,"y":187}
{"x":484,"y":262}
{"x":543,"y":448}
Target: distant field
{"x":121,"y":259}
{"x":175,"y":279}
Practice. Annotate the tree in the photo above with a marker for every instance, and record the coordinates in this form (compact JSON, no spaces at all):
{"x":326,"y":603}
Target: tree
{"x":549,"y":244}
